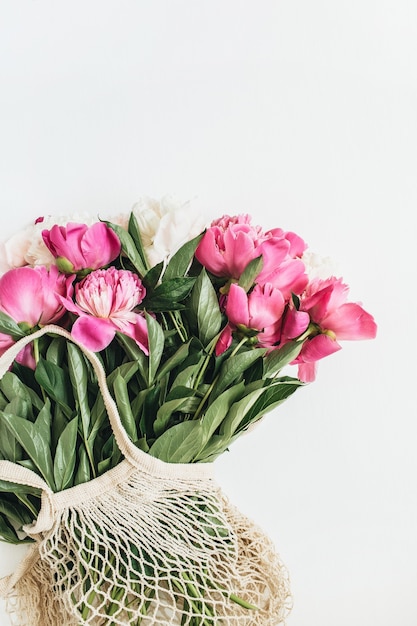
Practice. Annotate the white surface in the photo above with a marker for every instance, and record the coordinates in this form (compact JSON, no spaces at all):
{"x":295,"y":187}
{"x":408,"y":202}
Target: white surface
{"x":304,"y":115}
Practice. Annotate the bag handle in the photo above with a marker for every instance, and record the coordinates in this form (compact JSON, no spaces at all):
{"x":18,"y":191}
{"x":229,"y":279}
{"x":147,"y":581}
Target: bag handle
{"x":126,"y":446}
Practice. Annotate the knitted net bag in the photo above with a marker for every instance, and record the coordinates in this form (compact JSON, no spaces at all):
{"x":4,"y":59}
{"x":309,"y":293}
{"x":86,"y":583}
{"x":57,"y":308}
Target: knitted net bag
{"x":148,"y":542}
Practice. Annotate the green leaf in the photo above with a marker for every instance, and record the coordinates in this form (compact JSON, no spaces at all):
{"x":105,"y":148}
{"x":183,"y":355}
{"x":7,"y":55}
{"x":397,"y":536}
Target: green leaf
{"x":150,"y":408}
{"x":12,"y":387}
{"x":129,"y":248}
{"x":205,"y":308}
{"x":123,"y":404}
{"x":138,"y":403}
{"x":83,"y":474}
{"x":152,"y":277}
{"x":15,"y":512}
{"x":214,"y":448}
{"x":135,"y":354}
{"x":59,"y":422}
{"x":176,"y":359}
{"x":78,"y":373}
{"x":56,"y":351}
{"x":234,"y":367}
{"x":54,"y":380}
{"x":180,"y":443}
{"x":187,"y":375}
{"x":156,"y":346}
{"x":21,"y":407}
{"x":43,"y":423}
{"x":142,"y":444}
{"x":168,"y":295}
{"x":237,"y":414}
{"x":10,"y":448}
{"x":65,"y":456}
{"x":6,"y":487}
{"x":134,"y":232}
{"x":7,"y":532}
{"x":9,"y":327}
{"x":219,"y":409}
{"x":271,"y":397}
{"x":250,"y":272}
{"x":34,"y":440}
{"x":181,"y":260}
{"x":168,"y":408}
{"x":280,"y":357}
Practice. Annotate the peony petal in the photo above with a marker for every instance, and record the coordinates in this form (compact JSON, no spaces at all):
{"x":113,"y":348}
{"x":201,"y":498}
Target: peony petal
{"x":239,"y":250}
{"x":351,"y":322}
{"x":266,"y":306}
{"x":317,"y":348}
{"x":94,"y":333}
{"x":289,"y":277}
{"x":224,"y":341}
{"x":209,"y":255}
{"x":21,"y":295}
{"x":307,"y":372}
{"x":65,"y":241}
{"x":139,"y":332}
{"x":237,"y":306}
{"x":274,"y":252}
{"x":296,"y":322}
{"x":100,"y":245}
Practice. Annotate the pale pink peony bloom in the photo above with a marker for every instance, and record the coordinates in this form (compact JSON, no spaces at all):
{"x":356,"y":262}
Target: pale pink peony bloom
{"x":331,"y":319}
{"x":31,"y":296}
{"x":104,"y":303}
{"x":77,"y":247}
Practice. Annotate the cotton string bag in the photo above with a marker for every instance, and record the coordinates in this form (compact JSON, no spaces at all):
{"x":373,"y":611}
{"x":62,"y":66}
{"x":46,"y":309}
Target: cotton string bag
{"x":148,"y":542}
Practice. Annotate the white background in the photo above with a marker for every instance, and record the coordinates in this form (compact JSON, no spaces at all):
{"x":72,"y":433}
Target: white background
{"x":302,"y":114}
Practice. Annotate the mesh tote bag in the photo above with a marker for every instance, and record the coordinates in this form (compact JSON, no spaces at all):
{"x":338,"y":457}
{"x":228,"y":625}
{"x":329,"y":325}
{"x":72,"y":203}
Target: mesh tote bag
{"x":147,"y":542}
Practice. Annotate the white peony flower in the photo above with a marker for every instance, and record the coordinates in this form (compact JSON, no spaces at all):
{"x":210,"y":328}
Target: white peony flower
{"x":165,"y":225}
{"x":318,"y":266}
{"x":24,"y":248}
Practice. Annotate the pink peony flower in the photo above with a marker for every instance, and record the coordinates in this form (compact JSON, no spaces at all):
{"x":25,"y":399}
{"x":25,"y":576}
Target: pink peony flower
{"x":77,"y":247}
{"x":31,"y":296}
{"x":257,"y":310}
{"x":104,"y":303}
{"x":257,"y":314}
{"x":232,"y":242}
{"x":325,"y":311}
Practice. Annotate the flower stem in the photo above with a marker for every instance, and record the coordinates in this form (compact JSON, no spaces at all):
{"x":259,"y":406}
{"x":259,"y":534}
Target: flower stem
{"x":179,"y":327}
{"x":214,"y":382}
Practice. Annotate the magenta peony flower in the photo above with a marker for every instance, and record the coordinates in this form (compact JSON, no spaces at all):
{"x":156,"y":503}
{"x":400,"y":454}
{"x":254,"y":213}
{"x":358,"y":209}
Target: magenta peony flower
{"x":257,"y":310}
{"x":232,"y":242}
{"x":32,"y":297}
{"x":331,"y":318}
{"x":78,"y":247}
{"x":104,"y":302}
{"x":257,"y":314}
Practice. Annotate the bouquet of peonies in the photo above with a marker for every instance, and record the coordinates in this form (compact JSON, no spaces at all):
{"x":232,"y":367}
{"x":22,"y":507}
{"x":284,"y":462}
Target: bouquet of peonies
{"x":134,"y":352}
